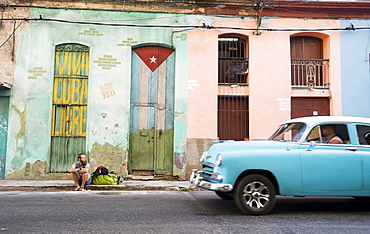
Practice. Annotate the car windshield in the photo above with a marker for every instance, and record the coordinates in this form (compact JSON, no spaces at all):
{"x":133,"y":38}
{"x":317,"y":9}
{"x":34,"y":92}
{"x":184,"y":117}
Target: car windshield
{"x":289,"y":132}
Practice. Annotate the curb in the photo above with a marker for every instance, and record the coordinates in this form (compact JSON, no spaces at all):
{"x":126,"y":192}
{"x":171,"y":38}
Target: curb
{"x":35,"y":185}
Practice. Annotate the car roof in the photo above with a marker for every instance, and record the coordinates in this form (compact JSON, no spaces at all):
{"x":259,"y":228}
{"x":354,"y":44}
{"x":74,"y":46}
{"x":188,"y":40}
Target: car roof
{"x":330,"y":119}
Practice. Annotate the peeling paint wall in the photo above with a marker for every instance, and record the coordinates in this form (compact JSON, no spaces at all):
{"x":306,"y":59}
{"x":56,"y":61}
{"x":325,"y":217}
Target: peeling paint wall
{"x":108,"y":109}
{"x":35,"y":170}
{"x":112,"y":157}
{"x":195,"y":148}
{"x":8,"y":53}
{"x":196,"y":80}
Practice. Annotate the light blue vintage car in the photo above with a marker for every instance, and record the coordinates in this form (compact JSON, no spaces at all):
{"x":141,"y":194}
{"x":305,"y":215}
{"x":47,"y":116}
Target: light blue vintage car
{"x":311,"y":156}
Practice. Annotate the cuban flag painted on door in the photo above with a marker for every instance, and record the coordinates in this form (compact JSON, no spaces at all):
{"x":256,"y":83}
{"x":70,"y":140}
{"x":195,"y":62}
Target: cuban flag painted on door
{"x":152,"y":110}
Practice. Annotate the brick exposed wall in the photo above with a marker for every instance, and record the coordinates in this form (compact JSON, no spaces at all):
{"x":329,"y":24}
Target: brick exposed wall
{"x":9,"y":40}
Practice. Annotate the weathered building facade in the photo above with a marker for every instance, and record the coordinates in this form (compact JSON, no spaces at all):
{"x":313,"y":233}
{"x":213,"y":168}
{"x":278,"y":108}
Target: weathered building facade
{"x":145,"y":88}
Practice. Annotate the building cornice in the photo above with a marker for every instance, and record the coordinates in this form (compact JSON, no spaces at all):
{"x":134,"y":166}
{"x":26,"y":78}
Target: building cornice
{"x":282,"y":8}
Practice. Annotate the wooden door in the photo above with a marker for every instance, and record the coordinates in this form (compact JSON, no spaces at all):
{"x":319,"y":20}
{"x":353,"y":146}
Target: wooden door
{"x":4,"y":109}
{"x":303,"y":107}
{"x":152,"y":110}
{"x":306,"y":48}
{"x":69,"y":109}
{"x":306,"y":53}
{"x":233,"y":118}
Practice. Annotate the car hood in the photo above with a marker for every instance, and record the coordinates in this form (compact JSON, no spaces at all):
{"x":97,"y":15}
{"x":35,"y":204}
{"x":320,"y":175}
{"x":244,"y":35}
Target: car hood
{"x":241,"y":148}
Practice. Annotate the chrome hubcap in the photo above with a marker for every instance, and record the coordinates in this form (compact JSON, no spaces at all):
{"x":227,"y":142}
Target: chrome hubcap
{"x":256,"y":195}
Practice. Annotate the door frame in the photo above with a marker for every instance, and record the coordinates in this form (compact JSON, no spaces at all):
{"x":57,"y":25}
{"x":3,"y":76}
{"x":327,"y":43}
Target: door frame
{"x":4,"y":114}
{"x":161,"y":81}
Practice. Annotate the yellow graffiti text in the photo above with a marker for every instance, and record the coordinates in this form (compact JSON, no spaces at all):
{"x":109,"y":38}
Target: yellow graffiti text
{"x":72,"y":63}
{"x":69,"y":120}
{"x":70,"y":91}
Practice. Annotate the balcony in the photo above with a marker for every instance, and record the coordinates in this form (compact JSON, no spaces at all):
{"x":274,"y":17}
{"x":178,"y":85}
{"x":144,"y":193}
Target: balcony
{"x":310,"y":73}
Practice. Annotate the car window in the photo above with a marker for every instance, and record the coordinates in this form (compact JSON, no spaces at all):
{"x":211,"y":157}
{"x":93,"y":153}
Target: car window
{"x":329,"y":134}
{"x":363,"y":134}
{"x":289,"y":132}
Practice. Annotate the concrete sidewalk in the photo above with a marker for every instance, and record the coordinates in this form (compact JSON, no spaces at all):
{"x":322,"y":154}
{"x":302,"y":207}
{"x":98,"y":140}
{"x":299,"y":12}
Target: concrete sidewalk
{"x":68,"y":185}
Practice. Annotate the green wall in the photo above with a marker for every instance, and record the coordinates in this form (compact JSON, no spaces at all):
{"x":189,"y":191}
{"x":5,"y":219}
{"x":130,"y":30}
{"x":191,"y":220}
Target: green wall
{"x":109,"y":64}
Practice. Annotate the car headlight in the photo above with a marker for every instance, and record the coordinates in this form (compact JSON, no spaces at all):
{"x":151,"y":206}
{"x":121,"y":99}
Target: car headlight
{"x":217,"y":177}
{"x":219,"y":159}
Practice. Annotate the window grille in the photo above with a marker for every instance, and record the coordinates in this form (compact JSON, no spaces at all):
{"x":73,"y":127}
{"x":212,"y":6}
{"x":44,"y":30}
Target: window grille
{"x":232,"y":60}
{"x":233,"y":113}
{"x":233,"y":118}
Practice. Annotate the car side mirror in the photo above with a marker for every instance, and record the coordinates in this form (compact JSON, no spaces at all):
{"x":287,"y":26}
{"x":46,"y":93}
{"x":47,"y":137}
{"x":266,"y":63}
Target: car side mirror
{"x":311,"y":145}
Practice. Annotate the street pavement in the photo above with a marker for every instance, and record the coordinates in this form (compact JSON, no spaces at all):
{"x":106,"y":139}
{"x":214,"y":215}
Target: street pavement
{"x":67,"y":185}
{"x":174,"y":212}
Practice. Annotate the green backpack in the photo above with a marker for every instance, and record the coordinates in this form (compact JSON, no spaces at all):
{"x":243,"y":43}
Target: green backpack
{"x":101,"y":177}
{"x":105,"y":179}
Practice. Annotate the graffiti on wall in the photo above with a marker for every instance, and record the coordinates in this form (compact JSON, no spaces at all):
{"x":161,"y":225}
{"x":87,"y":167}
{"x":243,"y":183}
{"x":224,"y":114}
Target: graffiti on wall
{"x":107,"y":62}
{"x":128,"y":42}
{"x":36,"y":72}
{"x":70,"y":90}
{"x":70,"y":120}
{"x":283,"y":103}
{"x":91,"y":32}
{"x":71,"y":63}
{"x":69,"y":108}
{"x":107,"y":90}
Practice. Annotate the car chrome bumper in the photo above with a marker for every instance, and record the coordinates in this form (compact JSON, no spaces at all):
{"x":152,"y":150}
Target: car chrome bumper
{"x":196,"y":179}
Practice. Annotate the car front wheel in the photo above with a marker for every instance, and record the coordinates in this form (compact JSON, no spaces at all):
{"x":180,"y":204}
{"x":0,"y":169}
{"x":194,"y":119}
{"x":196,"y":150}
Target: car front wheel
{"x":255,"y":194}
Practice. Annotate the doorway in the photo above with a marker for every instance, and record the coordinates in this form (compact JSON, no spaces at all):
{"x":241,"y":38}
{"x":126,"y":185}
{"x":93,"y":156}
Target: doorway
{"x":4,"y":111}
{"x":69,"y":107}
{"x":233,"y":118}
{"x":310,"y":106}
{"x":151,"y":110}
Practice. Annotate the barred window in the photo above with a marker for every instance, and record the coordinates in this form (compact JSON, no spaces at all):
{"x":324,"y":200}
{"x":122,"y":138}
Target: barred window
{"x":232,"y":59}
{"x":233,"y":118}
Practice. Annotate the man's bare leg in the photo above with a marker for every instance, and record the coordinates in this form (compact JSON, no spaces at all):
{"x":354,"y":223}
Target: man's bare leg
{"x":84,"y":178}
{"x":75,"y":178}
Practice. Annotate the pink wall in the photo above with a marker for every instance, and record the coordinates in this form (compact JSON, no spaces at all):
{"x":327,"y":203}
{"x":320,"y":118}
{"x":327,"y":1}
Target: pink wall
{"x":269,"y":102}
{"x":202,"y":84}
{"x":269,"y":75}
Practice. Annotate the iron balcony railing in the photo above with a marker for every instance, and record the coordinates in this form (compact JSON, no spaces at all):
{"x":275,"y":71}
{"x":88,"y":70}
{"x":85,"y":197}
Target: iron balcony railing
{"x":309,"y":73}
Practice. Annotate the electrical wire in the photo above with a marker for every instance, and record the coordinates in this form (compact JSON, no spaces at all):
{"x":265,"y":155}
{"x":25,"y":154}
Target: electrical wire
{"x":188,"y":27}
{"x":204,"y":26}
{"x":13,"y":33}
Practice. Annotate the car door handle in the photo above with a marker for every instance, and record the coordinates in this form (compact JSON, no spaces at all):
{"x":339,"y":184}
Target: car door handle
{"x":351,"y":149}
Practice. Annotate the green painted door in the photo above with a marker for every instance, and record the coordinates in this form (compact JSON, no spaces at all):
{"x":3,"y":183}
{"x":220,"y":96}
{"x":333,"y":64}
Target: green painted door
{"x":69,"y":109}
{"x":142,"y":141}
{"x":4,"y":110}
{"x":152,"y":115}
